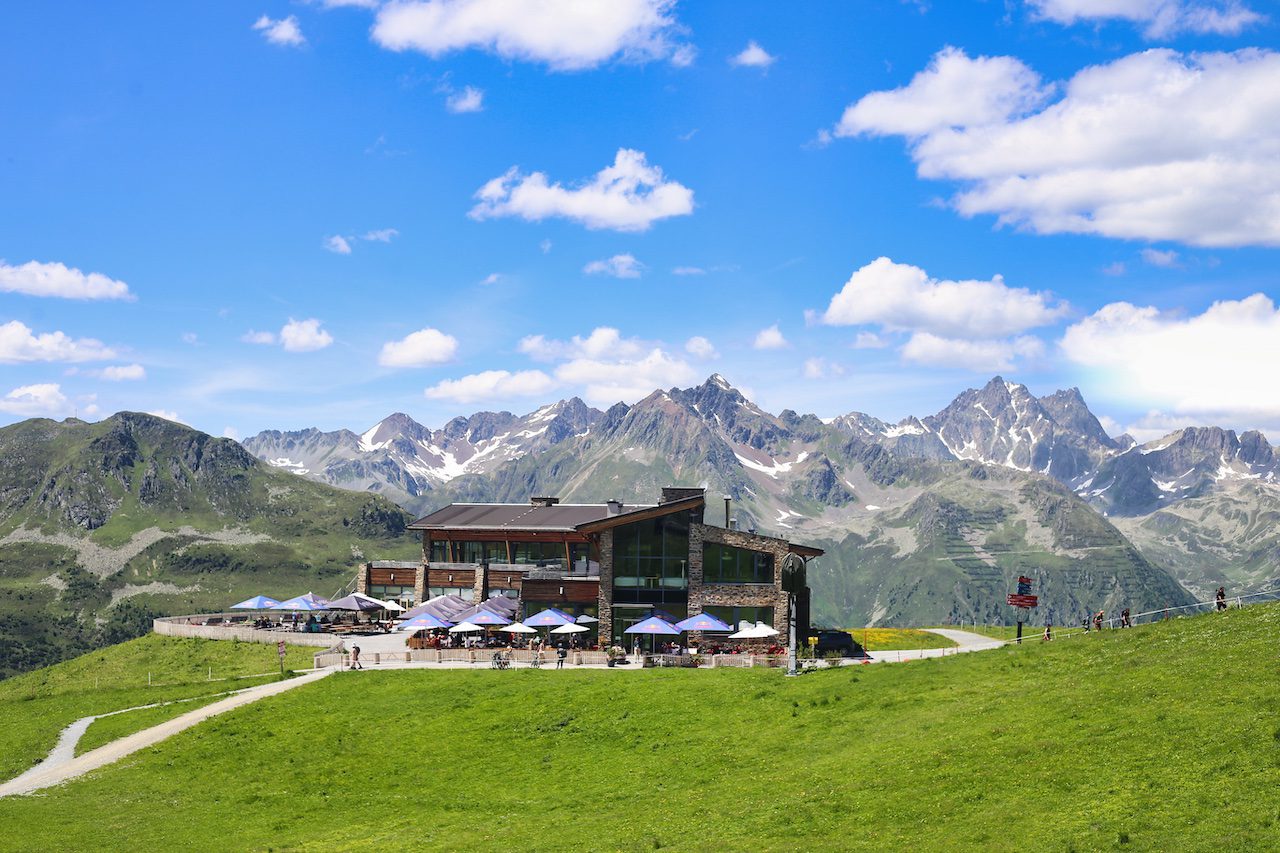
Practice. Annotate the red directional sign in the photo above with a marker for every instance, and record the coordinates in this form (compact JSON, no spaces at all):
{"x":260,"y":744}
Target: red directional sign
{"x":1015,"y":600}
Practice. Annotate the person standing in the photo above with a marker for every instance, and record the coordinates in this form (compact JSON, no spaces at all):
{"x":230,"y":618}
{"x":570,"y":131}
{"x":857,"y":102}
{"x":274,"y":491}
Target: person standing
{"x":1048,"y":632}
{"x":355,"y":658}
{"x":1220,"y":598}
{"x":560,"y":656}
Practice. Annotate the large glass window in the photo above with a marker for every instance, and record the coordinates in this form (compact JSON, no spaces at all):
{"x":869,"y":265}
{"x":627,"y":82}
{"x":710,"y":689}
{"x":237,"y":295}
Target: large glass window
{"x":584,"y":559}
{"x":538,"y":552}
{"x":476,"y":552}
{"x":736,"y":615}
{"x":440,"y":551}
{"x":724,"y":564}
{"x":651,"y":560}
{"x":466,"y":592}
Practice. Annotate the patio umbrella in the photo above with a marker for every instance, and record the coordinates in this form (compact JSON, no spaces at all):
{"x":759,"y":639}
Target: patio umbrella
{"x":654,"y":626}
{"x":358,"y":602}
{"x":584,"y":619}
{"x":394,"y":607}
{"x":703,"y":622}
{"x":519,"y":628}
{"x":483,"y":617}
{"x":570,"y":629}
{"x":258,"y":602}
{"x":442,"y":607}
{"x":423,"y":620}
{"x":757,"y":631}
{"x":464,"y":628}
{"x":310,"y":601}
{"x":549,"y":618}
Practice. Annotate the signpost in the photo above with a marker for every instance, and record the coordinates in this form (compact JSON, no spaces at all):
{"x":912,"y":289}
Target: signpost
{"x":280,"y":651}
{"x":1024,"y":601}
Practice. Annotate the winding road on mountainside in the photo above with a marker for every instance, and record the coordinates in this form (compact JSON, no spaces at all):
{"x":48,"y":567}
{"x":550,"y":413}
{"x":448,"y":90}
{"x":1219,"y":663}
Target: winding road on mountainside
{"x":62,"y":764}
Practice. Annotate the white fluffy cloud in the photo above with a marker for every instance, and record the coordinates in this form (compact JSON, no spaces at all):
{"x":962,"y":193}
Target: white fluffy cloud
{"x":1157,"y":145}
{"x":608,"y":367}
{"x":752,"y":56}
{"x":901,"y":297}
{"x":32,"y":401}
{"x":700,"y":347}
{"x":469,"y":100}
{"x":982,"y":356}
{"x":619,"y":266}
{"x":18,"y":343}
{"x":1158,"y":18}
{"x":304,"y":336}
{"x":337,"y":244}
{"x":123,"y":372}
{"x":869,"y":340}
{"x":252,"y":337}
{"x":381,"y":235}
{"x":565,"y":34}
{"x":282,"y":32}
{"x":954,"y":91}
{"x":491,"y":385}
{"x":55,"y":279}
{"x":1222,"y":361}
{"x":1157,"y":258}
{"x":630,"y":195}
{"x":770,"y":338}
{"x":821,"y":368}
{"x":603,"y":342}
{"x":421,"y":348}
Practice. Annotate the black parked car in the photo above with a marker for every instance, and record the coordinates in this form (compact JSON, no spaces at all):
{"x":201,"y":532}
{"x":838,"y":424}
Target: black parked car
{"x":838,"y":641}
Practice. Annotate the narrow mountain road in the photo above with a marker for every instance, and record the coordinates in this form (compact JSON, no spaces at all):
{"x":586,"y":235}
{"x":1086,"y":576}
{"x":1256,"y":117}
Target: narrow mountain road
{"x":62,"y":764}
{"x":966,"y":641}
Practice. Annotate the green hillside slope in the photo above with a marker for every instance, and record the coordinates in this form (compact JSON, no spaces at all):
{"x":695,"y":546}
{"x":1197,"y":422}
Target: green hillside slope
{"x":104,"y":525}
{"x":1163,"y":737}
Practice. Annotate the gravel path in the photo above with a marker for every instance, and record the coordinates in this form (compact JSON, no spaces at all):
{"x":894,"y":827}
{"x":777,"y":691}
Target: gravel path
{"x":966,"y":641}
{"x":62,"y":764}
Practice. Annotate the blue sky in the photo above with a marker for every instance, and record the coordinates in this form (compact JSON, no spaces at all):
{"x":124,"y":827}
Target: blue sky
{"x":289,"y":214}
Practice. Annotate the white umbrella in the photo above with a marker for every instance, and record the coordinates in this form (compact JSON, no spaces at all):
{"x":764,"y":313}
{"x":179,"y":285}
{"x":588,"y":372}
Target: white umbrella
{"x":519,"y":628}
{"x":464,"y":628}
{"x":584,"y":619}
{"x":757,"y":631}
{"x":393,"y":607}
{"x":570,"y":629}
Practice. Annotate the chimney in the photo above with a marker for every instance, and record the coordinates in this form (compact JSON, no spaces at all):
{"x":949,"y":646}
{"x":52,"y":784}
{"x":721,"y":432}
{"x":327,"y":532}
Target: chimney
{"x":543,"y":501}
{"x":679,"y":493}
{"x":615,"y":507}
{"x":727,"y":500}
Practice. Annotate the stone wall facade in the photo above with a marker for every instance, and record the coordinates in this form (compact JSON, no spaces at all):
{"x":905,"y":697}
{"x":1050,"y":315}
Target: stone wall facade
{"x":605,"y":611}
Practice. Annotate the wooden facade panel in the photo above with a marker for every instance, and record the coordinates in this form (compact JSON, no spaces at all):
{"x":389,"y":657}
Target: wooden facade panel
{"x":461,"y":577}
{"x":392,"y":577}
{"x":575,"y":591}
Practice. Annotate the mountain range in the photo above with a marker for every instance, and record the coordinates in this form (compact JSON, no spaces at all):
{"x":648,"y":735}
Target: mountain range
{"x":928,"y":519}
{"x":104,"y":525}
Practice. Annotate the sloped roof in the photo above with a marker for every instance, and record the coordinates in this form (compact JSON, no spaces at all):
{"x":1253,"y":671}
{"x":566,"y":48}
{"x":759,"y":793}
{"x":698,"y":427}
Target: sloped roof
{"x":560,"y":517}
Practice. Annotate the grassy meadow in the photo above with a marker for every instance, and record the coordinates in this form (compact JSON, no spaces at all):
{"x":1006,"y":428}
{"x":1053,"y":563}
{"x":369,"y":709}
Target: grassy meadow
{"x":36,"y":706}
{"x":1164,"y":737}
{"x":892,"y":639}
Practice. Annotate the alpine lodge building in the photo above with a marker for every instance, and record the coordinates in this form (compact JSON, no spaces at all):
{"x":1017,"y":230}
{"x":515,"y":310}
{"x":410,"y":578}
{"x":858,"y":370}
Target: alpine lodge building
{"x":617,"y":563}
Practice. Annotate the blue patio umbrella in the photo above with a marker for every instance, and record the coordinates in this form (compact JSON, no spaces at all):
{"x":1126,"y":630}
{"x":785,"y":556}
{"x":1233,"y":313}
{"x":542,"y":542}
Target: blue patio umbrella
{"x":703,"y":622}
{"x":258,"y":602}
{"x":484,"y":617}
{"x":425,"y":620}
{"x":549,"y":618}
{"x":310,"y":601}
{"x":654,"y":626}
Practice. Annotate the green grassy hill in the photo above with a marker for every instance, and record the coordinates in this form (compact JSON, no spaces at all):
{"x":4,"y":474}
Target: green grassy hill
{"x":103,"y":526}
{"x":1163,"y":737}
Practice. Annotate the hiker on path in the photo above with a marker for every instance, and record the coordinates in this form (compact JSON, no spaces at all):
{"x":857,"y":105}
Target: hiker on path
{"x":1097,"y":620}
{"x":355,"y":658}
{"x":1220,"y":598}
{"x":1048,"y":632}
{"x":1124,"y":619}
